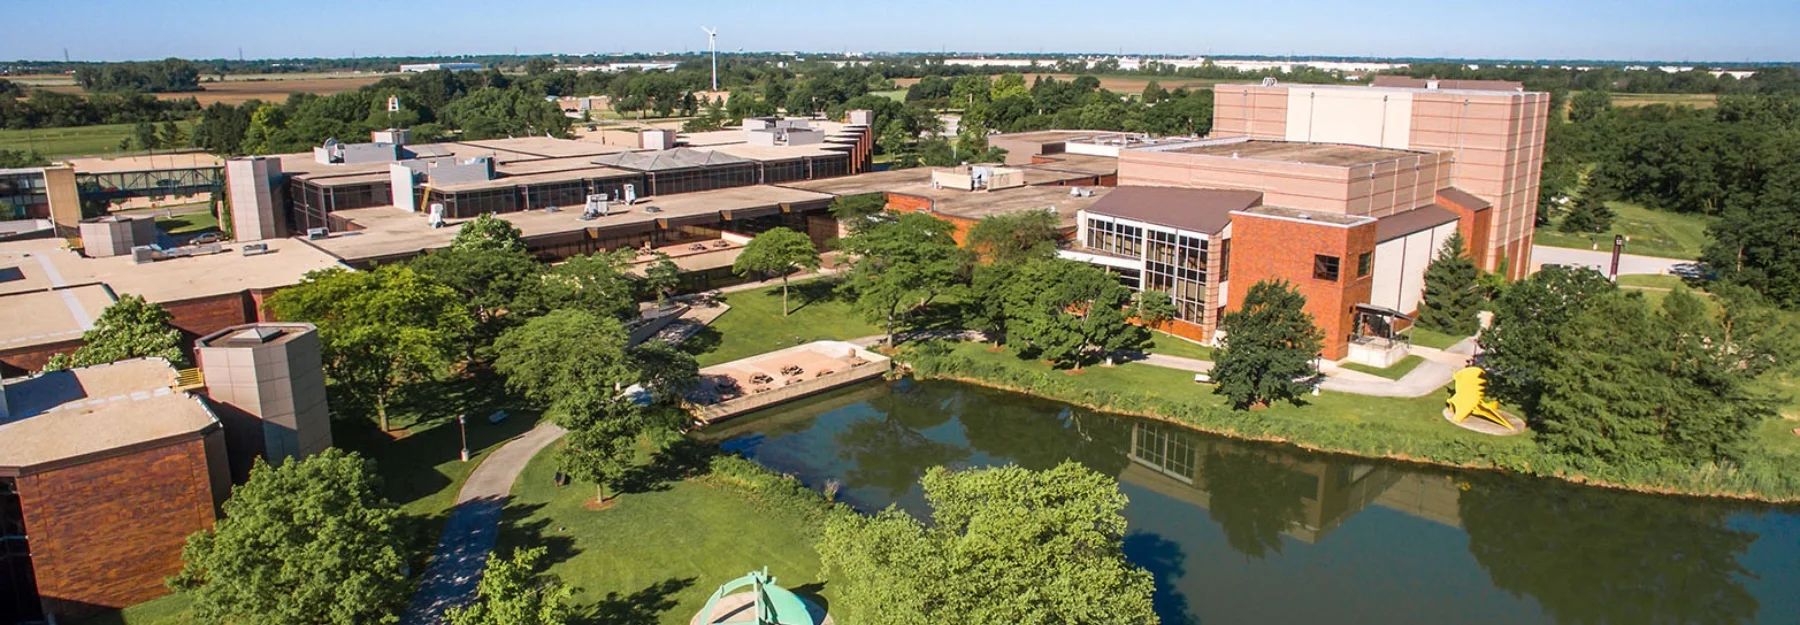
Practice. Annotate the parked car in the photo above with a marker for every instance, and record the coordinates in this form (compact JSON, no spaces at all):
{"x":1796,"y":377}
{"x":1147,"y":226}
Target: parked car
{"x":206,"y":238}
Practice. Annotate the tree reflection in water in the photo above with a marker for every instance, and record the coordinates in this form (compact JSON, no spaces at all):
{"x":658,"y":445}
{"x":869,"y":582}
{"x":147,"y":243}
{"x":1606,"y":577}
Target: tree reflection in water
{"x":1593,"y":557}
{"x":892,"y":452}
{"x":1255,"y":497}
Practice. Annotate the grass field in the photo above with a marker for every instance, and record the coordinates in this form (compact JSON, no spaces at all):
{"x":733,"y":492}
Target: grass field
{"x":897,"y":95}
{"x":655,"y":556}
{"x":1413,"y":416}
{"x":1434,"y":340}
{"x":240,"y":89}
{"x":77,"y":141}
{"x":754,"y":324}
{"x":1696,"y":100}
{"x":188,"y":224}
{"x":1169,"y":345}
{"x":1393,"y":372}
{"x":1652,"y":233}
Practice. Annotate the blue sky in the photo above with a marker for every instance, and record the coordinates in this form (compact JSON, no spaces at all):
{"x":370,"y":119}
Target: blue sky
{"x":1696,"y":30}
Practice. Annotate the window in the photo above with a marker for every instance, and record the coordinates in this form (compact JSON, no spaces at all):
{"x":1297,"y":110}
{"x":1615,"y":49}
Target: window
{"x":1365,"y":263}
{"x":1325,"y":268}
{"x":1225,"y":260}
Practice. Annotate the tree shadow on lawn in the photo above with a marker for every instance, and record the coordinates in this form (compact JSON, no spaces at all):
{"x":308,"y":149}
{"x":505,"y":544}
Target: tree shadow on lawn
{"x":938,"y":316}
{"x":704,"y":341}
{"x":682,"y":459}
{"x":803,"y":294}
{"x":644,"y":607}
{"x":521,"y":527}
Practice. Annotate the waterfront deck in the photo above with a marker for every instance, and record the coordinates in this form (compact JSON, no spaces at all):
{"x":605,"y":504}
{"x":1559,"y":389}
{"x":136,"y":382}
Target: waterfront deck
{"x":742,"y":386}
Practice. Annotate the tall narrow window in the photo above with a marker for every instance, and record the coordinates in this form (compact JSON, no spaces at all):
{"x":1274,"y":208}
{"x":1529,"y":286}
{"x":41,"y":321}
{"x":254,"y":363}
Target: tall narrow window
{"x":1365,"y":264}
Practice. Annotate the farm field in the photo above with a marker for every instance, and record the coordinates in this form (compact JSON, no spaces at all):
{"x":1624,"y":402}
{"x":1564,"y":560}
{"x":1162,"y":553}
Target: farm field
{"x":1696,"y":100}
{"x":239,"y":89}
{"x":1120,"y":84}
{"x":75,"y":141}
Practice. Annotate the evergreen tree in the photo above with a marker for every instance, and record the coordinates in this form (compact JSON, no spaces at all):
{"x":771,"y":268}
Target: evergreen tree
{"x":1269,"y":347}
{"x":1452,"y":299}
{"x":1590,"y":214}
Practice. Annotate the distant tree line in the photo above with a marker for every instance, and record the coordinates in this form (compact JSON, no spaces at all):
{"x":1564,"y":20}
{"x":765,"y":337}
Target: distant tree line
{"x":49,"y":109}
{"x":165,"y":76}
{"x":1766,"y":80}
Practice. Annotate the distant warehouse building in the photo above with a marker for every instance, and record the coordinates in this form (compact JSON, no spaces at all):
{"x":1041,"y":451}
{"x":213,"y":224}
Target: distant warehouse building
{"x":426,"y":67}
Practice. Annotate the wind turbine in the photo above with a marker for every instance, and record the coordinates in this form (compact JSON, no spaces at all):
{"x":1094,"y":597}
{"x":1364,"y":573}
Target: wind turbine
{"x":712,"y":40}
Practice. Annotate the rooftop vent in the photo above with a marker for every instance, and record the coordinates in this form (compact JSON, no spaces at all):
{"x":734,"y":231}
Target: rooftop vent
{"x":254,"y":336}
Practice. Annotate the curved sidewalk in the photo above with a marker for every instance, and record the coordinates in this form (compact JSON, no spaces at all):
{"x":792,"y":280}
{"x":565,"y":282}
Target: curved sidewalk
{"x":474,"y":524}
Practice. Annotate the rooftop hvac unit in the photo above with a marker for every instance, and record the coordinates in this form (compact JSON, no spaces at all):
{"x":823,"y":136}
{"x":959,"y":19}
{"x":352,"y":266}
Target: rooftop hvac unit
{"x":143,"y":254}
{"x":435,"y":215}
{"x":598,"y":205}
{"x":314,"y":234}
{"x":256,"y":249}
{"x":630,"y":194}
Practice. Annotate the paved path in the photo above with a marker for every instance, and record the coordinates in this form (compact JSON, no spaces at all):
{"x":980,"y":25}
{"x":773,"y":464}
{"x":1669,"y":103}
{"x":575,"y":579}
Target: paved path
{"x":474,"y":524}
{"x":1602,"y":260}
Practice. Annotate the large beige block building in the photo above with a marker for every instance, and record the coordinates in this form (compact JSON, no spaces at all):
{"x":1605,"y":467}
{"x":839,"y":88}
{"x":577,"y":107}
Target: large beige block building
{"x":1492,"y":130}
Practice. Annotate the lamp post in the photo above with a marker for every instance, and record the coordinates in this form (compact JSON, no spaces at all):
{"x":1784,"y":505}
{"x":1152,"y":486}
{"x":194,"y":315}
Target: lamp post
{"x":462,"y":426}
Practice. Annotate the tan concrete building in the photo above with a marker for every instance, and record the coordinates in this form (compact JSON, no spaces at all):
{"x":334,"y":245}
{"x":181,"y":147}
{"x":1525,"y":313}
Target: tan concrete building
{"x":1493,"y":132}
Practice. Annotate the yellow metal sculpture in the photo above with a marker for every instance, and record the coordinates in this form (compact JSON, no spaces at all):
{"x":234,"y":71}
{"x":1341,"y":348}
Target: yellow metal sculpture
{"x":1471,"y":399}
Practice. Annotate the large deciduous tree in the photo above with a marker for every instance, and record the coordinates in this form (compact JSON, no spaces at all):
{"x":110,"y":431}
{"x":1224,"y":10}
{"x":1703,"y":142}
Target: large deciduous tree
{"x":1269,"y":347}
{"x":902,"y":264}
{"x":379,"y":329}
{"x":1068,"y":311}
{"x":513,"y":591}
{"x":488,"y":265}
{"x":662,"y":277}
{"x":1014,"y":237}
{"x":129,"y":328}
{"x":1753,"y":242}
{"x":309,"y":541}
{"x":597,"y":283}
{"x":1006,"y":545}
{"x":571,"y":362}
{"x":1526,"y":335}
{"x":1452,"y":299}
{"x":778,"y":251}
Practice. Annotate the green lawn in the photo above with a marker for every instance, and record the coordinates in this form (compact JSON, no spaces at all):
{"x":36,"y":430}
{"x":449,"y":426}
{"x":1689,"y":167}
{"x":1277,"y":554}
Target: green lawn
{"x":1393,"y":372}
{"x":1650,"y":281}
{"x":897,"y":95}
{"x":1170,"y":345}
{"x":1652,"y":233}
{"x":754,"y":324}
{"x":194,"y":223}
{"x":1406,"y":417}
{"x":656,"y":556}
{"x":75,"y":141}
{"x":1434,"y":339}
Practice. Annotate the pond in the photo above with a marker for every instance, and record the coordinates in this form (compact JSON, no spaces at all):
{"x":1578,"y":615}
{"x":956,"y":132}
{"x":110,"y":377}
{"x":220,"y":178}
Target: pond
{"x":1238,"y":532}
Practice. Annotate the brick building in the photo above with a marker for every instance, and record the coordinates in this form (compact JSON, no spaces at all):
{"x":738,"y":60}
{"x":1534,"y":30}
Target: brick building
{"x":1493,"y":132}
{"x":104,"y":472}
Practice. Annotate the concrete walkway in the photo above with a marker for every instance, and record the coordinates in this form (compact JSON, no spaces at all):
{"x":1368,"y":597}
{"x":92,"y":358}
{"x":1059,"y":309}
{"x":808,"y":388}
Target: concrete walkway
{"x":1602,"y":260}
{"x":474,"y":525}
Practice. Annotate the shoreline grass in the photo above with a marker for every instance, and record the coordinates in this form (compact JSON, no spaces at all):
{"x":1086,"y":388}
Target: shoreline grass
{"x":1408,"y":430}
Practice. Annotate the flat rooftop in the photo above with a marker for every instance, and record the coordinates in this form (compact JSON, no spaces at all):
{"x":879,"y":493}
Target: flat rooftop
{"x":1049,"y":136}
{"x":1330,"y":154}
{"x":65,"y":415}
{"x":1473,"y":88}
{"x":47,"y":263}
{"x":868,"y":182}
{"x":1283,"y":212}
{"x":388,"y":231}
{"x":51,"y":316}
{"x":1082,"y":163}
{"x":980,"y":204}
{"x":101,"y":165}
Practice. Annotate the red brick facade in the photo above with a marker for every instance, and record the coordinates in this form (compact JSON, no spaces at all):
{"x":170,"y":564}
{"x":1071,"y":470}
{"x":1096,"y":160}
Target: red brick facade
{"x":105,"y":533}
{"x":23,"y":360}
{"x":1274,"y":248}
{"x":903,"y":203}
{"x":1474,"y":222}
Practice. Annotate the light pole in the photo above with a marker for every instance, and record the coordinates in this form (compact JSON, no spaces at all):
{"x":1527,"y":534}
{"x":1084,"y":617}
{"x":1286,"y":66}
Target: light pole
{"x":462,"y":426}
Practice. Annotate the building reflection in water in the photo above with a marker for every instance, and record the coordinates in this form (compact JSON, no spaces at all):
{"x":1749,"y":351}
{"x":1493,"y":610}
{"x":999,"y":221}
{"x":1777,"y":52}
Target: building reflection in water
{"x":1324,"y":491}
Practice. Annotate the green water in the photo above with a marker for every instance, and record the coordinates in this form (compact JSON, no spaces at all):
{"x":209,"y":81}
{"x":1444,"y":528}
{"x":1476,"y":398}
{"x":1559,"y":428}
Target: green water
{"x":1249,"y":533}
